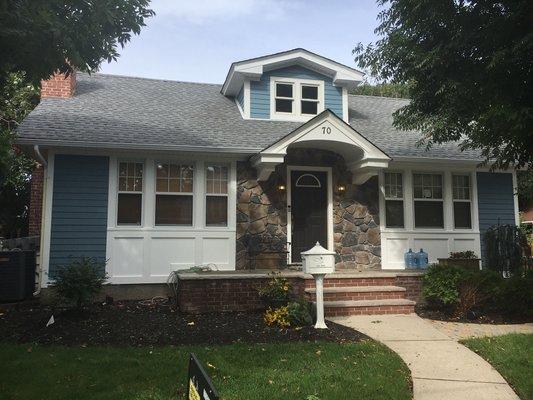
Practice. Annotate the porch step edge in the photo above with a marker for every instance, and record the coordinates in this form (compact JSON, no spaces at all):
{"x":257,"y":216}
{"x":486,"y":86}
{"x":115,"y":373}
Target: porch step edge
{"x":358,"y":289}
{"x":368,"y":303}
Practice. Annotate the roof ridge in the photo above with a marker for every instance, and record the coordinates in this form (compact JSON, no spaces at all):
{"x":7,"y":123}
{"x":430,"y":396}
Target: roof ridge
{"x":148,"y":79}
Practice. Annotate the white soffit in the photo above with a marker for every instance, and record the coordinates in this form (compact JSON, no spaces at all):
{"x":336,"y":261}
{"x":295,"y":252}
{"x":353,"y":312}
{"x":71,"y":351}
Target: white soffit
{"x":342,"y":75}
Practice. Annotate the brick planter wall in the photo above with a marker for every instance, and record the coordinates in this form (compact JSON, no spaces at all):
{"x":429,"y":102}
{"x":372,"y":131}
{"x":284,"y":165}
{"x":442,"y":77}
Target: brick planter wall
{"x":413,"y":284}
{"x":262,"y":214}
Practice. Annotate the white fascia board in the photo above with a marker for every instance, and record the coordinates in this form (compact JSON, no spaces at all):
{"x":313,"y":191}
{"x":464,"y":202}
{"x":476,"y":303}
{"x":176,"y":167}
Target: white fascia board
{"x":342,"y":75}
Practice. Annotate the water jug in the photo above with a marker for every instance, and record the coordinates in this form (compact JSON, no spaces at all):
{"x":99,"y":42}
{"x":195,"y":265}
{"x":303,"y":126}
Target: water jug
{"x":409,"y":258}
{"x":422,"y":259}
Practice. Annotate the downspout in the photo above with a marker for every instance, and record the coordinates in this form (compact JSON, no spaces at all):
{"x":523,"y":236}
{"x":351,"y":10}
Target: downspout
{"x":44,"y":163}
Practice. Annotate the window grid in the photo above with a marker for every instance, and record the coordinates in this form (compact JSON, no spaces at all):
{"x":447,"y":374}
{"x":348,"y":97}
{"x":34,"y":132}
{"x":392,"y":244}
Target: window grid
{"x":174,"y":179}
{"x":313,"y":101}
{"x":130,"y":177}
{"x":428,"y":187}
{"x":216,"y":180}
{"x":393,"y":186}
{"x":461,"y":187}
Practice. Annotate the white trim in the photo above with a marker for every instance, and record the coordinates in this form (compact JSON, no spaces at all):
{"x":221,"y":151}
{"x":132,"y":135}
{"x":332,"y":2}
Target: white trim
{"x":449,"y":236}
{"x":329,"y":210}
{"x":48,"y":190}
{"x":297,"y":83}
{"x":342,"y":75}
{"x":246,"y":98}
{"x":345,"y":110}
{"x":204,"y":245}
{"x":515,"y":195}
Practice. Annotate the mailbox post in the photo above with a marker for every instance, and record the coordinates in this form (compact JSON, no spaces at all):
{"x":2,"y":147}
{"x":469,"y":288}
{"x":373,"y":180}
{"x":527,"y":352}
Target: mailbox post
{"x":318,"y":262}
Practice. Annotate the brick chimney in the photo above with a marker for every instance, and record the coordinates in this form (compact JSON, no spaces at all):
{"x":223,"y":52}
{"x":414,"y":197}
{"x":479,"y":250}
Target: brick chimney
{"x":59,"y":85}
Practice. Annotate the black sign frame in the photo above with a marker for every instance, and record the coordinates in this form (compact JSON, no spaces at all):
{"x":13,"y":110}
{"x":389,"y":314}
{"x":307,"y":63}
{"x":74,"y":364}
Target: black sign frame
{"x":201,"y":381}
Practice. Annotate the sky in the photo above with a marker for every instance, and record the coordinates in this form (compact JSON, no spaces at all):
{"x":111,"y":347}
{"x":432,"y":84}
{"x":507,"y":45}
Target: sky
{"x":197,"y":40}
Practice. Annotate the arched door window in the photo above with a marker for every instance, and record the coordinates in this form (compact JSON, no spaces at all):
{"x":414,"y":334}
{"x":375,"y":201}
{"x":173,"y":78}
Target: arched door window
{"x":308,"y":180}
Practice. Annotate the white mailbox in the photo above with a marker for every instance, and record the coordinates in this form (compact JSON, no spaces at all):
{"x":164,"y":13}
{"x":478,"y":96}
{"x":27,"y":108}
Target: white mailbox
{"x":318,"y":260}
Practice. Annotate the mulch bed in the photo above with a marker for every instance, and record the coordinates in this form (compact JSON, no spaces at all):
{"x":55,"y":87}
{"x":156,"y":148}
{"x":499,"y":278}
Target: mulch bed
{"x":133,"y":323}
{"x":475,"y":318}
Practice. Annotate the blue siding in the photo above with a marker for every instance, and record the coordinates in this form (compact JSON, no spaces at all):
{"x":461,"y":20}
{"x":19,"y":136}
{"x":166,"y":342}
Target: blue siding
{"x":495,"y":201}
{"x":79,"y":209}
{"x":240,"y":97}
{"x":260,"y":90}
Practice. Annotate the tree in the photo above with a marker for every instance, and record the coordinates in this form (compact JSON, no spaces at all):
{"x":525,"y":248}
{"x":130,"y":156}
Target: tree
{"x":38,"y":38}
{"x":397,"y":90}
{"x":41,"y":37}
{"x":469,"y":65}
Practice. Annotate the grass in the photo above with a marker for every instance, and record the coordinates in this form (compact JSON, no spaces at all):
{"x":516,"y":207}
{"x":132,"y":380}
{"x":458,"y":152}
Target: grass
{"x":512,"y":356}
{"x":329,"y":371}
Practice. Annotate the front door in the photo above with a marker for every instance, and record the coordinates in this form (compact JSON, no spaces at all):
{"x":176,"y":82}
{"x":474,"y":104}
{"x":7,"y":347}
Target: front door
{"x":309,"y":205}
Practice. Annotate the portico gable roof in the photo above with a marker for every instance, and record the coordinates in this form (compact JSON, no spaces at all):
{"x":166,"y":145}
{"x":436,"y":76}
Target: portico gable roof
{"x":326,"y":131}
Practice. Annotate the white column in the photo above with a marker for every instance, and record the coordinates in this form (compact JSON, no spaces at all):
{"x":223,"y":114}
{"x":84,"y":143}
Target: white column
{"x":320,"y":322}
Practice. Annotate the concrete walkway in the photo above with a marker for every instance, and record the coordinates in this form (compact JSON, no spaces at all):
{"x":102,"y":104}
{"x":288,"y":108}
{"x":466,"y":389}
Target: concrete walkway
{"x":442,"y":369}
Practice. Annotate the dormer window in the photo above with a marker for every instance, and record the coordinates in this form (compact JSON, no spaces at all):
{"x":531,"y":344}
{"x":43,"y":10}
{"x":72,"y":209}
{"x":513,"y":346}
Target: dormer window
{"x":296,"y":99}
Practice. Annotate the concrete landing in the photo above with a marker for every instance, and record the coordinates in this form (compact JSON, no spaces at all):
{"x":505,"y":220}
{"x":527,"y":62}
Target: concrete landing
{"x":442,"y":369}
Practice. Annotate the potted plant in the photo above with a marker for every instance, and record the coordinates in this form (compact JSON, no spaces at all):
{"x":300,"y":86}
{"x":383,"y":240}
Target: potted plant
{"x":465,"y":259}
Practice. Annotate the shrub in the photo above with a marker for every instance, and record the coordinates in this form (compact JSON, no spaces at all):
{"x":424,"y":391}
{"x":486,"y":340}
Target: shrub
{"x":275,"y":292}
{"x":515,"y":297}
{"x":299,"y":313}
{"x":459,"y":291}
{"x":77,"y":283}
{"x":277,"y":316}
{"x":440,"y":286}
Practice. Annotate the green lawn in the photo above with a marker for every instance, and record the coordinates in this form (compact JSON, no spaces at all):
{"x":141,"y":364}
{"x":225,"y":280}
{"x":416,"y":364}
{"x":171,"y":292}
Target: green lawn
{"x":512,"y":356}
{"x":365,"y":370}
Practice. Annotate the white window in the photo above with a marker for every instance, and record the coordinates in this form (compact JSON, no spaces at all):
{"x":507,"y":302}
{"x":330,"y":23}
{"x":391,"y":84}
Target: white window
{"x":428,"y":201}
{"x":309,"y":102}
{"x":296,"y":98}
{"x":462,"y":214}
{"x":394,"y":200}
{"x":174,"y":194}
{"x":130,"y":189}
{"x":284,"y":97}
{"x":216,"y":191}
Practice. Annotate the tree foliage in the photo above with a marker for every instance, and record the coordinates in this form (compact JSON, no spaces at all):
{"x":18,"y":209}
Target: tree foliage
{"x":18,"y":97}
{"x":40,"y":37}
{"x":398,"y":90}
{"x":469,"y":65}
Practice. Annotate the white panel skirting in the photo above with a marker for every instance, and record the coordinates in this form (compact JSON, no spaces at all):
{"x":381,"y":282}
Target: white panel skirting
{"x":436,"y":244}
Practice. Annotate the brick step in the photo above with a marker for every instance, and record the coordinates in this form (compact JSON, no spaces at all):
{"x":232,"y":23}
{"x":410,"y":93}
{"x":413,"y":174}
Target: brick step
{"x":368,"y":307}
{"x":351,"y":281}
{"x":359,"y":293}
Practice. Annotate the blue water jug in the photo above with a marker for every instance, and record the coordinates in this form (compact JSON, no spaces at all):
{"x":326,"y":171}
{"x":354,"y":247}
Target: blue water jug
{"x":422,"y":259}
{"x":409,"y":258}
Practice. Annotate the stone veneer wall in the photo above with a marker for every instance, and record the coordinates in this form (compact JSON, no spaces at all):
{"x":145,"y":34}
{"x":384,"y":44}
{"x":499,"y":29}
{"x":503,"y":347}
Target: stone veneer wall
{"x":262,"y":215}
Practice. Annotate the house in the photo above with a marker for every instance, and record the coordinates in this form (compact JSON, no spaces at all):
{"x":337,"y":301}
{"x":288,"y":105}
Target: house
{"x":155,"y":176}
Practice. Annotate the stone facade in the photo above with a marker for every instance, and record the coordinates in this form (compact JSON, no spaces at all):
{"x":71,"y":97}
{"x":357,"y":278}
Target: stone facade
{"x":262,"y":215}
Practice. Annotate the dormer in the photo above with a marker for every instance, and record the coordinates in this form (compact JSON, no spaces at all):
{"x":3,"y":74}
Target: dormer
{"x":294,"y":85}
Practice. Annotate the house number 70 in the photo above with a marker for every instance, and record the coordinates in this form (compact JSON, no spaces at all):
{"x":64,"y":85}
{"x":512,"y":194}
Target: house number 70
{"x":326,"y":130}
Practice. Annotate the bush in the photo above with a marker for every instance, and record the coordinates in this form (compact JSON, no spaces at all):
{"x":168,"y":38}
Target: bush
{"x":506,"y":249}
{"x":277,"y":316}
{"x":469,"y":254}
{"x":299,"y":313}
{"x":458,"y":291}
{"x":276,"y":292}
{"x":515,"y":297}
{"x":77,"y":283}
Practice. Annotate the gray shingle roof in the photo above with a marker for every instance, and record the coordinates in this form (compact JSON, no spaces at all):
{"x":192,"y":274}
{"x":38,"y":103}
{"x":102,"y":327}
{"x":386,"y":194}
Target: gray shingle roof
{"x":116,"y":111}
